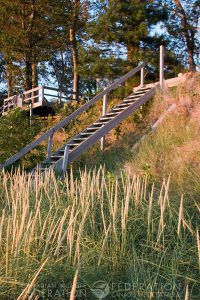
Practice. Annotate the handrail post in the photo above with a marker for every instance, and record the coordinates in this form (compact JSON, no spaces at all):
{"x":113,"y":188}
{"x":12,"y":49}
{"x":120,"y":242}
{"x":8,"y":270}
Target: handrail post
{"x":49,"y":146}
{"x":162,"y":66}
{"x":32,"y":97}
{"x":31,"y":111}
{"x":142,"y":78}
{"x":42,"y":93}
{"x":65,"y":159}
{"x":59,"y":96}
{"x":105,"y":100}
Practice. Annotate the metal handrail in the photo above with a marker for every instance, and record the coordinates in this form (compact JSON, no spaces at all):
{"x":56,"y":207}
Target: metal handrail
{"x":50,"y":132}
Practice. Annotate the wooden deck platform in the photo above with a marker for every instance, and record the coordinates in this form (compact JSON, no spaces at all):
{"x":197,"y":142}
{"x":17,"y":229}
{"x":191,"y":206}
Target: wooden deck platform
{"x":38,"y":100}
{"x":168,"y":83}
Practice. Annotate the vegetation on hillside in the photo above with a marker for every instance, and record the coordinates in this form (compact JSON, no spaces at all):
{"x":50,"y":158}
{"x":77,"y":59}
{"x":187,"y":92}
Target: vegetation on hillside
{"x":132,"y":235}
{"x":16,"y":133}
{"x":122,"y":223}
{"x":174,"y":149}
{"x":131,"y":228}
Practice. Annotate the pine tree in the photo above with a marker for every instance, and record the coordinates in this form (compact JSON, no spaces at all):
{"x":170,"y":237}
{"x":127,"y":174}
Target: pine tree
{"x":182,"y":26}
{"x":78,"y":20}
{"x":29,"y":33}
{"x":128,"y":23}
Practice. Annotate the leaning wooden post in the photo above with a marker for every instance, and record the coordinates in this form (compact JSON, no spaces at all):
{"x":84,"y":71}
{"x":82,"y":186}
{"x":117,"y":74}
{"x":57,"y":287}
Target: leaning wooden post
{"x":162,"y":53}
{"x":49,"y":146}
{"x":142,"y":78}
{"x":65,"y":159}
{"x":105,"y":100}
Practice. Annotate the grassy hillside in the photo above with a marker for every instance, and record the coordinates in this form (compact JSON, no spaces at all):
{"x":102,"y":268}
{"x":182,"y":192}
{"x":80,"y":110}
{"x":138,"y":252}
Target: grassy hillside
{"x":129,"y":230}
{"x":174,"y":149}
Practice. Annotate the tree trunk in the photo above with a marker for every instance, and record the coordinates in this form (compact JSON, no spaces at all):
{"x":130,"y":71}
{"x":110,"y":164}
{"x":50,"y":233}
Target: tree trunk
{"x":189,"y":35}
{"x":191,"y":47}
{"x":132,"y":54}
{"x":75,"y":64}
{"x":9,"y":80}
{"x":34,"y":75}
{"x":28,"y":54}
{"x":28,"y":74}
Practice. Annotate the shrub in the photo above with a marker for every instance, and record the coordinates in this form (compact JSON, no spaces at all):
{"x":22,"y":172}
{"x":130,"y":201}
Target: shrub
{"x":16,"y":132}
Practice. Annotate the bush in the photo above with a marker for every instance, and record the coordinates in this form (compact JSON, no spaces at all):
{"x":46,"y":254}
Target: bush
{"x":16,"y":133}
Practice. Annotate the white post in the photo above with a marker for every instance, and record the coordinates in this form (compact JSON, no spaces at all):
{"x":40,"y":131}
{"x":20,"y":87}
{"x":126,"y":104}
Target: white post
{"x":105,"y":100}
{"x":42,"y":94}
{"x":49,"y":146}
{"x":142,"y":78}
{"x":65,"y":159}
{"x":31,"y":112}
{"x":162,"y":66}
{"x":59,"y":97}
{"x":32,"y":97}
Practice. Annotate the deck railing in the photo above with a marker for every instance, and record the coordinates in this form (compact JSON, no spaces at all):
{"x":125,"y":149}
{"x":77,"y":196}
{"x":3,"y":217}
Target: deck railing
{"x":44,"y":94}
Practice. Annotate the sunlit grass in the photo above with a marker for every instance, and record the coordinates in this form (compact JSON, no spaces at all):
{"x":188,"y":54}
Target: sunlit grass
{"x":114,"y":229}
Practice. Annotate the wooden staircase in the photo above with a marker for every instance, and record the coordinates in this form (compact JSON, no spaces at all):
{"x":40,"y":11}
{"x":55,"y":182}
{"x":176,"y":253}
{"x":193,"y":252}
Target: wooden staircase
{"x":85,"y":139}
{"x":82,"y":141}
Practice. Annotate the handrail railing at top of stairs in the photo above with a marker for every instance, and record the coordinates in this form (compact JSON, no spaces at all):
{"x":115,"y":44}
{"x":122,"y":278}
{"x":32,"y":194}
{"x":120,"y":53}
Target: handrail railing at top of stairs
{"x":34,"y":93}
{"x":28,"y":95}
{"x":7,"y":105}
{"x":72,"y":116}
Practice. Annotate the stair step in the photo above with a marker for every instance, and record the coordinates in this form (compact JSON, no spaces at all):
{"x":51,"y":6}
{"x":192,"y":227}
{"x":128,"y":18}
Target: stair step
{"x":94,"y":128}
{"x":129,"y":100}
{"x":86,"y":133}
{"x":78,"y":139}
{"x":100,"y":123}
{"x":63,"y":151}
{"x":56,"y":156}
{"x":133,"y":97}
{"x":111,"y":114}
{"x":118,"y":108}
{"x":71,"y":146}
{"x":137,"y":95}
{"x":145,"y":89}
{"x":107,"y":118}
{"x":140,"y":93}
{"x":75,"y":144}
{"x":124,"y":105}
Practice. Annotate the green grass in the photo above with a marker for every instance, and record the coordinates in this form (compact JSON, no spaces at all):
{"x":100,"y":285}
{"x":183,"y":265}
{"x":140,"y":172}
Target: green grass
{"x":120,"y":230}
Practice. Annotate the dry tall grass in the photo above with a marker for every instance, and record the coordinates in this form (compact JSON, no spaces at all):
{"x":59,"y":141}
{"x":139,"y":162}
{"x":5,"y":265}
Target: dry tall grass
{"x":174,"y":148}
{"x":115,"y":229}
